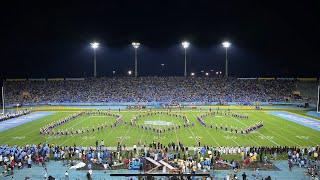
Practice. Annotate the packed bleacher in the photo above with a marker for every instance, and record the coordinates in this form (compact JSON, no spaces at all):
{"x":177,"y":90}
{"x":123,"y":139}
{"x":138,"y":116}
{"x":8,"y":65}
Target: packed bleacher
{"x":149,"y":89}
{"x":308,"y":90}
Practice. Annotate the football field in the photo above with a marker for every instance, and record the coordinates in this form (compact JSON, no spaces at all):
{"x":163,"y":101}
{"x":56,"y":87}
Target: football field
{"x":280,"y":128}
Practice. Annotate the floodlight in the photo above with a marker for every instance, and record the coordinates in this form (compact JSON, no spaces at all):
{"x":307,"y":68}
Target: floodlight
{"x":135,"y":45}
{"x":129,"y":72}
{"x":207,"y":74}
{"x":94,"y":45}
{"x":226,"y":44}
{"x":185,"y":44}
{"x":192,"y":74}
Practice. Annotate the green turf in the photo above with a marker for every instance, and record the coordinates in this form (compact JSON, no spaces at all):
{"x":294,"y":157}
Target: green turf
{"x":229,"y":121}
{"x":162,"y":118}
{"x":275,"y":132}
{"x":87,"y":121}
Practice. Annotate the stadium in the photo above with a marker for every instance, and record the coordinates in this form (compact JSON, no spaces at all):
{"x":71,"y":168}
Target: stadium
{"x":152,"y":107}
{"x":182,"y":120}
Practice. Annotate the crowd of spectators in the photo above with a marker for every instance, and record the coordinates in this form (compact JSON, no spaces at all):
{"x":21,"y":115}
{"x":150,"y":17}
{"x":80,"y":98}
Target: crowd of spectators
{"x":13,"y":114}
{"x":148,"y":89}
{"x":184,"y":159}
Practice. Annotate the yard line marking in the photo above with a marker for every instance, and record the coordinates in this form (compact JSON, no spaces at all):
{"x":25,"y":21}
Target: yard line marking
{"x":279,"y":135}
{"x":43,"y":136}
{"x":86,"y":134}
{"x":30,"y":132}
{"x":194,"y":137}
{"x":68,"y":139}
{"x":298,"y":119}
{"x":292,"y":127}
{"x":258,"y":132}
{"x":11,"y":133}
{"x":208,"y":133}
{"x":237,"y":142}
{"x":24,"y":119}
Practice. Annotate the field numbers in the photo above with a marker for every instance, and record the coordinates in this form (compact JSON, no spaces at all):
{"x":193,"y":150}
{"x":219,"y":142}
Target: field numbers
{"x":303,"y":137}
{"x":266,"y":137}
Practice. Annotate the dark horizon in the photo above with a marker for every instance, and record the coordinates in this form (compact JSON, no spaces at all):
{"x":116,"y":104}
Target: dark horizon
{"x":269,"y":39}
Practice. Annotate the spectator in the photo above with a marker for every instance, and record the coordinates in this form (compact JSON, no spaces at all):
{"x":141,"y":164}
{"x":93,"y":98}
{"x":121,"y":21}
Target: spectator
{"x":148,"y":89}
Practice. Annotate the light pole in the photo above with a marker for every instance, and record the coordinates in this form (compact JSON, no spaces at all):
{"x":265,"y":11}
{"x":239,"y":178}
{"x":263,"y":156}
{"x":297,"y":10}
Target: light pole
{"x":162,"y":69}
{"x":2,"y":95}
{"x":185,"y":45}
{"x":135,"y":46}
{"x":226,"y":45}
{"x":94,"y":46}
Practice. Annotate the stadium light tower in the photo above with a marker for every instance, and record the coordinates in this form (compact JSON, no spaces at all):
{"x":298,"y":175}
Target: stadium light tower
{"x":226,"y":44}
{"x":135,"y":46}
{"x":185,"y":45}
{"x":2,"y":95}
{"x":318,"y":104}
{"x":94,"y":46}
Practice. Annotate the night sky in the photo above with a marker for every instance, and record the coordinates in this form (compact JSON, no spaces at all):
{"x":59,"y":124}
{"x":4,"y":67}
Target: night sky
{"x":51,"y":38}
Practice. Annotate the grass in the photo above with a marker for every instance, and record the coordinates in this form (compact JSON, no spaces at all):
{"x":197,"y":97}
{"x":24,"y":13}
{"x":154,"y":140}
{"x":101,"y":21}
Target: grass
{"x":276,"y":131}
{"x":87,"y":121}
{"x":222,"y":120}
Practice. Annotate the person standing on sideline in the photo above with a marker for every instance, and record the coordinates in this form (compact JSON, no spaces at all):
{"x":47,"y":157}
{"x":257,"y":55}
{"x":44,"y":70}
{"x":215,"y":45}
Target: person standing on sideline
{"x":244,"y":176}
{"x":45,"y":173}
{"x":66,"y":175}
{"x":29,"y":162}
{"x":290,"y":164}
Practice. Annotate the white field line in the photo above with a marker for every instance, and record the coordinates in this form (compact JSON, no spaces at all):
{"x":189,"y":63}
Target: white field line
{"x":294,"y":128}
{"x":286,"y":139}
{"x":30,"y":132}
{"x":259,"y":133}
{"x":86,"y":134}
{"x":208,"y":133}
{"x":67,"y":137}
{"x":22,"y":130}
